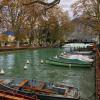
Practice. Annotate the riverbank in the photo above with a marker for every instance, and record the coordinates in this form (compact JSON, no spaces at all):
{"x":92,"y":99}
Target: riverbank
{"x":12,"y":48}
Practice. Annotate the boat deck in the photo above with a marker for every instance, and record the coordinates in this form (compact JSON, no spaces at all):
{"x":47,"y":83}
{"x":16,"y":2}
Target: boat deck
{"x":98,"y":74}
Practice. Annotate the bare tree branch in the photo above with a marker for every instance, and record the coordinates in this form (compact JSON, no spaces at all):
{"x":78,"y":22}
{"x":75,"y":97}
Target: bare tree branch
{"x":53,"y":3}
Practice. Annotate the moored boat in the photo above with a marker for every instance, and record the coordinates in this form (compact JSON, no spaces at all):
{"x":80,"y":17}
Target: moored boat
{"x":68,"y":62}
{"x":76,"y":45}
{"x":72,"y":60}
{"x":7,"y":87}
{"x":43,"y":90}
{"x":90,"y":54}
{"x":80,"y":57}
{"x":83,"y":52}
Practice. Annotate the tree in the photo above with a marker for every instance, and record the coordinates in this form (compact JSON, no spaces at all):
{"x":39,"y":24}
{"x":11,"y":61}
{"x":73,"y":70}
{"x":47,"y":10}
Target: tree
{"x":89,"y":11}
{"x":37,"y":21}
{"x":50,"y":27}
{"x":13,"y":17}
{"x":58,"y":25}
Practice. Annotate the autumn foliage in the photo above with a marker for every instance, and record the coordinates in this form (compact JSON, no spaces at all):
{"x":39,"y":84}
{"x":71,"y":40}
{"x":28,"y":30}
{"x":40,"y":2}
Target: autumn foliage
{"x":33,"y":23}
{"x":89,"y":11}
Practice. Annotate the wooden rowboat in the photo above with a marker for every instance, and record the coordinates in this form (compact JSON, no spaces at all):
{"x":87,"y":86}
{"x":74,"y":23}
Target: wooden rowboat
{"x":9,"y":92}
{"x":43,"y":90}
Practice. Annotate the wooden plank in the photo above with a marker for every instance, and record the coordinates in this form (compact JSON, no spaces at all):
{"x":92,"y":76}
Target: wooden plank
{"x":38,"y":89}
{"x":23,"y":83}
{"x":98,"y":73}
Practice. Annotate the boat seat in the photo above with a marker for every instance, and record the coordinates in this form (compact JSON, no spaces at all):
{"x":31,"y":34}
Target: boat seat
{"x":22,"y":84}
{"x":49,"y":91}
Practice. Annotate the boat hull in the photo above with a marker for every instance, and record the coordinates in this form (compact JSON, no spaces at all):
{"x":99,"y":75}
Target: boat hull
{"x":45,"y":97}
{"x":40,"y":96}
{"x":5,"y":88}
{"x":57,"y":63}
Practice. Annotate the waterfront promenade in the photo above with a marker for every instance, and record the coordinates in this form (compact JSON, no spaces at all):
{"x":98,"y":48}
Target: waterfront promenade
{"x":13,"y":48}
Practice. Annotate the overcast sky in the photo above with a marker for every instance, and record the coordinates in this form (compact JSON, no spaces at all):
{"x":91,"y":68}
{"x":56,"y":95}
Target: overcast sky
{"x":66,"y":5}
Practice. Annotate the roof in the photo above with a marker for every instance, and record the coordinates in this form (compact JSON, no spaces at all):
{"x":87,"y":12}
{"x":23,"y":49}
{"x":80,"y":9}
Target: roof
{"x":9,"y":33}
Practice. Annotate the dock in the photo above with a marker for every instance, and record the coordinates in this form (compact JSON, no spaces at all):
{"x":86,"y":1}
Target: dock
{"x":97,"y":74}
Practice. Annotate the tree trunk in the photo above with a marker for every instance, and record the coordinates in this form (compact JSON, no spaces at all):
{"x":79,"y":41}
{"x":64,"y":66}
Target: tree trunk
{"x":18,"y":44}
{"x":99,"y":39}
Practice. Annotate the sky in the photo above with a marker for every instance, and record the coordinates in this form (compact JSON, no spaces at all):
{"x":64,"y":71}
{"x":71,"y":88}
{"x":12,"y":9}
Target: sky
{"x":66,"y":5}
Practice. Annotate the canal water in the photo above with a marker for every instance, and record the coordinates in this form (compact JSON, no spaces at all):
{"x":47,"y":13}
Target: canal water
{"x":13,"y":64}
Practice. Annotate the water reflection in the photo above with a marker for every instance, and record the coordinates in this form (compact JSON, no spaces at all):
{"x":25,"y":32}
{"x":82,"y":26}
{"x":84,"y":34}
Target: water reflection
{"x":7,"y":61}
